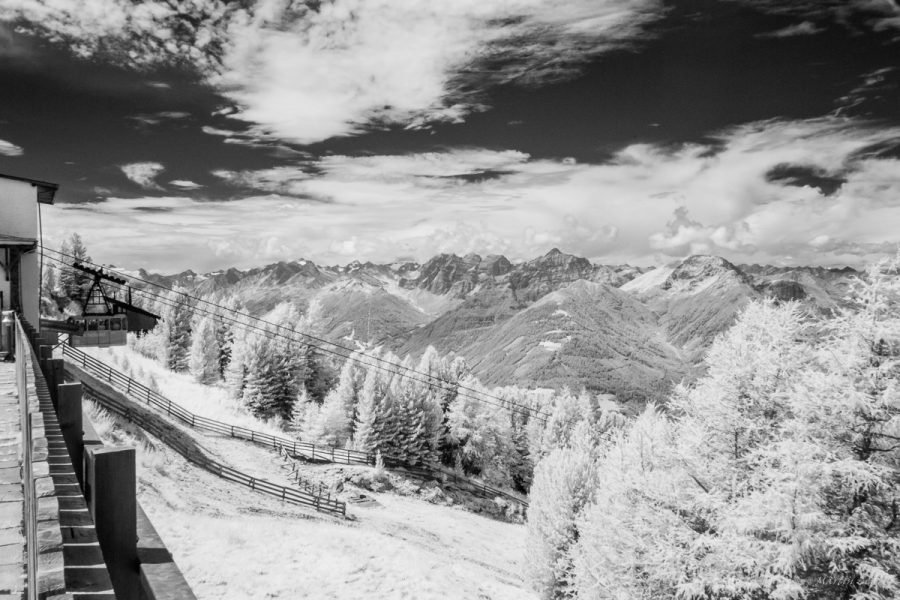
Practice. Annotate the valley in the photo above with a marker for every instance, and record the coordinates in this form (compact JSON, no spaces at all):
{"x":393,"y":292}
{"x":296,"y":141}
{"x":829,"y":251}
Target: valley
{"x":554,"y":321}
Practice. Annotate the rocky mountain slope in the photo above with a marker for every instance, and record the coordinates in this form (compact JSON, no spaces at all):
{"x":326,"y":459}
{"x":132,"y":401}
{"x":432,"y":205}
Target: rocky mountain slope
{"x":552,"y":321}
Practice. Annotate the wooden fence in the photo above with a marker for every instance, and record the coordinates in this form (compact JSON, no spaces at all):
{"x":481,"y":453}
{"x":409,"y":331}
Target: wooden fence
{"x":297,"y":448}
{"x":305,"y":496}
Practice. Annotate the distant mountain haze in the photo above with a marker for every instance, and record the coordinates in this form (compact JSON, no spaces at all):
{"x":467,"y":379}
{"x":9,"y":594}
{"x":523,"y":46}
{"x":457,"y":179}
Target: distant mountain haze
{"x":557,"y":320}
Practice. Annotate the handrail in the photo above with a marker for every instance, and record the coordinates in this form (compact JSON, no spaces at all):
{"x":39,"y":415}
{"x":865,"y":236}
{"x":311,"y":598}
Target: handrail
{"x":297,"y":448}
{"x":30,"y":495}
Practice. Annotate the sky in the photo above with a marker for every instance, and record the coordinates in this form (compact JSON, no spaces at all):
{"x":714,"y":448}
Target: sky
{"x":203,"y":134}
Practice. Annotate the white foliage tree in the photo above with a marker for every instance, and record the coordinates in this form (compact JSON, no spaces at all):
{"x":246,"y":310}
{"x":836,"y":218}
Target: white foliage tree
{"x":176,"y":331}
{"x":204,"y":357}
{"x":333,"y":424}
{"x":777,"y":477}
{"x":481,"y":431}
{"x":564,"y":483}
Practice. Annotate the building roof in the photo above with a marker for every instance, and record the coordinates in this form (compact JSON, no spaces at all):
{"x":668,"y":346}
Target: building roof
{"x":133,"y":308}
{"x":14,"y":240}
{"x":46,"y":189}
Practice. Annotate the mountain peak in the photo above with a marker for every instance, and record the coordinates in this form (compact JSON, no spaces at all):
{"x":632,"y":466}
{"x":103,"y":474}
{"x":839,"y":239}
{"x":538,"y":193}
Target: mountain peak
{"x":701,"y":267}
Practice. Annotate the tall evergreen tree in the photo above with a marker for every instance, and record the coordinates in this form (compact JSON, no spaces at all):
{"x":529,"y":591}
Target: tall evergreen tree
{"x":365,"y":434}
{"x":434,"y":399}
{"x":481,"y":432}
{"x":318,"y":377}
{"x":564,"y":482}
{"x":350,"y":385}
{"x":204,"y":357}
{"x":74,"y":284}
{"x":243,"y":346}
{"x":176,"y":321}
{"x":334,"y":427}
{"x":225,"y":325}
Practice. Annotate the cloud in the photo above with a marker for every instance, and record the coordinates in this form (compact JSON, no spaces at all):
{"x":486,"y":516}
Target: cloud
{"x":305,"y":72}
{"x":835,"y":199}
{"x":143,"y":173}
{"x":159,"y":117}
{"x":878,"y":15}
{"x":280,"y":180}
{"x":10,"y":149}
{"x":138,"y":33}
{"x":184,"y":184}
{"x":306,"y":75}
{"x":802,"y":28}
{"x":873,"y":85}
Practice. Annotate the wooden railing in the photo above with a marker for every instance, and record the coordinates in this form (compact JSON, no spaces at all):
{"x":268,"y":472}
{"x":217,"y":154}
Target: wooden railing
{"x":306,"y":496}
{"x":30,"y":497}
{"x":296,"y":448}
{"x":142,"y":393}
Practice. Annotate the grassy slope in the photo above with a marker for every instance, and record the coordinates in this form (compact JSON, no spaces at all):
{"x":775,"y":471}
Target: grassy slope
{"x":233,"y":543}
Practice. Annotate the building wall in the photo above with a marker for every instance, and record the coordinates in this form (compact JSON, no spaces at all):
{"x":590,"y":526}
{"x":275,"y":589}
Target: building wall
{"x":18,"y":217}
{"x":4,"y":284}
{"x":31,"y":287}
{"x":18,"y":208}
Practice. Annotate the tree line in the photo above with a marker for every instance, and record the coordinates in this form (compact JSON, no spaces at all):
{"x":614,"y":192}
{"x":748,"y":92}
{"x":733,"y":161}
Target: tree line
{"x":774,"y":476}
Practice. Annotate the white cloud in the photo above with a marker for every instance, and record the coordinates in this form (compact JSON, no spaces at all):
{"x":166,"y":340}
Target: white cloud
{"x":305,"y":75}
{"x":10,"y":149}
{"x":143,"y":173}
{"x":158,"y":117}
{"x":185,"y":184}
{"x":802,"y":28}
{"x":878,"y":14}
{"x":648,"y":205}
{"x":310,"y":75}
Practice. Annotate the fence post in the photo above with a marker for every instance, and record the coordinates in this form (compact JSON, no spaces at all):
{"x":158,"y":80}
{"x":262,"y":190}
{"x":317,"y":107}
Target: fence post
{"x":110,"y":488}
{"x":71,"y":423}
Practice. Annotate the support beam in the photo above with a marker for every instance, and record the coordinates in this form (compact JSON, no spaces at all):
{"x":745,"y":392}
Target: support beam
{"x":110,"y":489}
{"x":55,"y":377}
{"x":71,"y":423}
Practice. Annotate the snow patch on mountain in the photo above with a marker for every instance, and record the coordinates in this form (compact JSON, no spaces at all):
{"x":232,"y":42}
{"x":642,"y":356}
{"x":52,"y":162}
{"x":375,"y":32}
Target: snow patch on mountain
{"x":650,"y":280}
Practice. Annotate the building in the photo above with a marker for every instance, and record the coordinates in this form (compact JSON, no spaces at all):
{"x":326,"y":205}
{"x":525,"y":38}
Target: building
{"x":20,"y":277}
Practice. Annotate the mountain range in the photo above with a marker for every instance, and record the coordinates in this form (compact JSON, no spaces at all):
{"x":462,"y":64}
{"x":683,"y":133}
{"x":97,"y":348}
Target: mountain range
{"x":557,"y":320}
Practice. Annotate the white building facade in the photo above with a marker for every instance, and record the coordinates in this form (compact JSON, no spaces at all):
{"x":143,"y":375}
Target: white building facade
{"x":20,"y":277}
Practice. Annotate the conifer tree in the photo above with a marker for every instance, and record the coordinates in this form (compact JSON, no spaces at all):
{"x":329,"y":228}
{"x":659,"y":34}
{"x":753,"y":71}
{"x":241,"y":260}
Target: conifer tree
{"x":204,"y":357}
{"x":298,"y":415}
{"x":261,"y":389}
{"x":311,"y":429}
{"x":243,"y":346}
{"x":73,"y":283}
{"x":225,"y":332}
{"x":564,"y":482}
{"x":481,"y":432}
{"x":365,"y":435}
{"x":334,"y":427}
{"x":176,"y":321}
{"x":407,"y":394}
{"x":433,"y":402}
{"x":318,"y":378}
{"x":350,"y":385}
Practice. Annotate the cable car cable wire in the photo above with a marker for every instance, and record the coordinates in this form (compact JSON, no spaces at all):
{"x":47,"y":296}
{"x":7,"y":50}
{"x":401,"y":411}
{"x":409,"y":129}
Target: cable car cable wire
{"x":432,"y":380}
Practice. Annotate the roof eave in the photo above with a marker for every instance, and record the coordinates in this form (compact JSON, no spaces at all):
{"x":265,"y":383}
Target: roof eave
{"x":46,"y":189}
